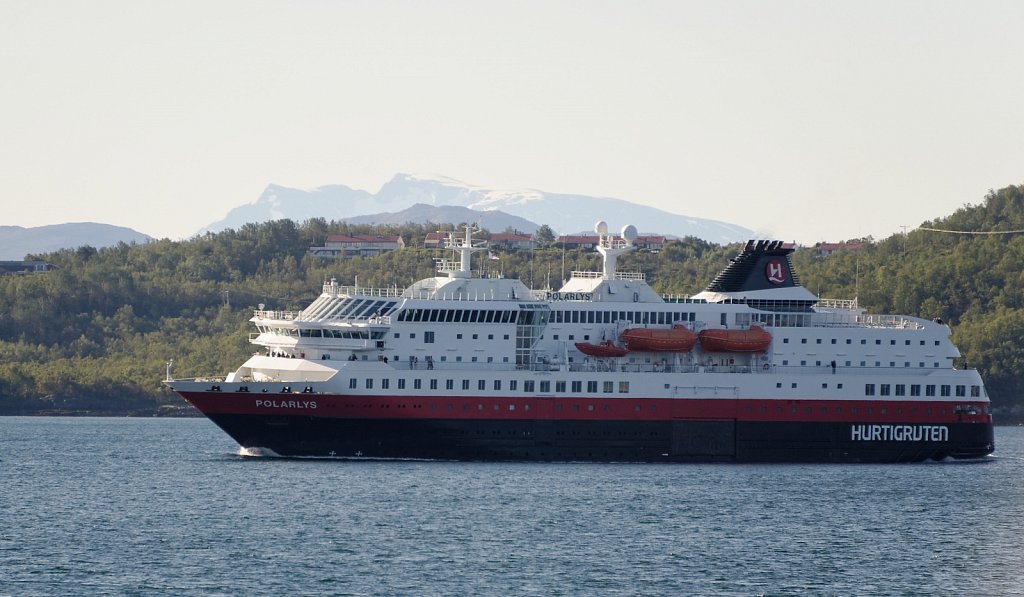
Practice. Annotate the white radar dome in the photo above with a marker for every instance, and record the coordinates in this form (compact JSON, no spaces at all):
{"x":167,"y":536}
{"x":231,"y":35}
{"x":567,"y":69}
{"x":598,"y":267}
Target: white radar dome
{"x":601,"y":227}
{"x":629,"y":233}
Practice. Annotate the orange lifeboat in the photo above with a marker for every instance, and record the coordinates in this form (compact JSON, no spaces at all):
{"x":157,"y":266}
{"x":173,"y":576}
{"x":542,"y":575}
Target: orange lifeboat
{"x":604,"y":349}
{"x":755,"y":339}
{"x":679,"y":338}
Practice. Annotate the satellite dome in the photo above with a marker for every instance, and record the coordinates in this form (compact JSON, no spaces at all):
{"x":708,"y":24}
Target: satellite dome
{"x":601,"y":227}
{"x":629,"y":233}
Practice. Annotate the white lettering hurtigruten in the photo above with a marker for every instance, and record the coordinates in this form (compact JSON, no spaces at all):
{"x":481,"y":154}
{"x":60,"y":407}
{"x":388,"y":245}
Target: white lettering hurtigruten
{"x":899,"y":433}
{"x":286,"y":403}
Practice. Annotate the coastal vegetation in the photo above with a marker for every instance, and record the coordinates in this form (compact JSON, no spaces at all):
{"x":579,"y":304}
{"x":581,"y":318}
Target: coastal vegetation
{"x":95,"y":335}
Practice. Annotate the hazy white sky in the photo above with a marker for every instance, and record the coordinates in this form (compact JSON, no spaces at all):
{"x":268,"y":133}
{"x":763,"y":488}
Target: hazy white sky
{"x":805,"y":121}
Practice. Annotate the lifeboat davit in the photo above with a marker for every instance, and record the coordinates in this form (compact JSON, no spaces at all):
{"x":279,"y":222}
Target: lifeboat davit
{"x":679,"y":338}
{"x":604,"y":349}
{"x":755,"y":339}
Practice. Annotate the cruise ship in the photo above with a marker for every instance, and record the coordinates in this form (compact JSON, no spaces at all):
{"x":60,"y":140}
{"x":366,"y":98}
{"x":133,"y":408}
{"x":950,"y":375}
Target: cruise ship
{"x":465,"y":366}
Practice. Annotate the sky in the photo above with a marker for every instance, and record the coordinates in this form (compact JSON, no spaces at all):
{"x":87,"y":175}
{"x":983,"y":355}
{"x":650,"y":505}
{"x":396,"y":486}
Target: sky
{"x":805,"y":121}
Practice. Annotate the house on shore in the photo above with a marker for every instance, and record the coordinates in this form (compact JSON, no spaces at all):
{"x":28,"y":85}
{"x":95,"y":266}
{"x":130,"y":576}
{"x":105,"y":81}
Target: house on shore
{"x":340,"y":246}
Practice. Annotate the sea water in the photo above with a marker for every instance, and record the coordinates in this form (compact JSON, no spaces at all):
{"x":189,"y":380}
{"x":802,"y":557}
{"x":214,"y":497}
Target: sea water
{"x":92,"y":506}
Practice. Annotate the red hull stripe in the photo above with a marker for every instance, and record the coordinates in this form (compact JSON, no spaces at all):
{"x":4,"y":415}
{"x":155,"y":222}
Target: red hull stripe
{"x":587,"y":409}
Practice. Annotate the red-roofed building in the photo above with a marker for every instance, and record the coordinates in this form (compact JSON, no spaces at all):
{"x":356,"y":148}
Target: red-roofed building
{"x":830,"y":248}
{"x":436,"y":240}
{"x":357,"y":246}
{"x":513,"y":241}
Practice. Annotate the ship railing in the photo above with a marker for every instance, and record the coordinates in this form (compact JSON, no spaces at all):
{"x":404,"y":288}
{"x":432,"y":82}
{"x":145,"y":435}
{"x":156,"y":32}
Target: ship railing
{"x":581,"y":275}
{"x":334,"y":289}
{"x":837,"y":304}
{"x":840,"y":319}
{"x":276,"y":315}
{"x":888,"y":321}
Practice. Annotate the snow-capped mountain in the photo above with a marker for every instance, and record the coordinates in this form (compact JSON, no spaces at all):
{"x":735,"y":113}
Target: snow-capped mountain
{"x":564,"y":213}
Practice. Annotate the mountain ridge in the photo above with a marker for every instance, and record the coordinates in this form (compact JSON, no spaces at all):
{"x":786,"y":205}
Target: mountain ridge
{"x":528,"y":208}
{"x":17,"y":242}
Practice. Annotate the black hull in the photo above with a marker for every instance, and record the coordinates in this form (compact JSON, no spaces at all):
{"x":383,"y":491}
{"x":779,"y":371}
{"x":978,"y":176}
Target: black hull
{"x":596,"y":441}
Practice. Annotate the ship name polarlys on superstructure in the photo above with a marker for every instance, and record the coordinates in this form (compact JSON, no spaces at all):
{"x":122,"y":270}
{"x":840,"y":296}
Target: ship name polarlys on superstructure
{"x":464,"y":367}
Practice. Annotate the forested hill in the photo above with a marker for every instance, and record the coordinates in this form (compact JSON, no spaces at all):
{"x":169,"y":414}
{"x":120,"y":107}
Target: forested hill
{"x":94,"y":335}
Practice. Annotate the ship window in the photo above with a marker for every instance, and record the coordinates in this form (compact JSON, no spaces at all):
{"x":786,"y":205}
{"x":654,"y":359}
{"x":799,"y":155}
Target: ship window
{"x":936,"y":343}
{"x":511,"y":407}
{"x":385,"y":383}
{"x":545,"y":386}
{"x":591,"y":386}
{"x":608,"y":387}
{"x":961,"y":391}
{"x":449,"y":384}
{"x":417,"y":384}
{"x":878,"y":341}
{"x":476,"y":336}
{"x":892,"y":342}
{"x":723,"y":319}
{"x":528,"y":385}
{"x":577,"y":386}
{"x":481,"y":384}
{"x":793,"y":384}
{"x":975,"y":391}
{"x":433,"y":384}
{"x":824,"y":386}
{"x":465,"y":384}
{"x":785,"y":340}
{"x":803,"y":340}
{"x":944,"y":390}
{"x":412,"y":335}
{"x":849,"y":341}
{"x":863,"y":341}
{"x":929,"y":390}
{"x":623,"y":387}
{"x":915,"y":389}
{"x":818,"y":341}
{"x":401,"y":383}
{"x":869,"y":389}
{"x":353,"y":384}
{"x":833,"y":340}
{"x":901,"y":389}
{"x":883,"y":390}
{"x":892,"y":363}
{"x":778,"y":384}
{"x":907,"y":343}
{"x":863,"y":363}
{"x":637,"y":408}
{"x":458,"y":336}
{"x":590,"y":407}
{"x":512,"y":383}
{"x":560,"y":386}
{"x":497,"y":384}
{"x":922,"y":342}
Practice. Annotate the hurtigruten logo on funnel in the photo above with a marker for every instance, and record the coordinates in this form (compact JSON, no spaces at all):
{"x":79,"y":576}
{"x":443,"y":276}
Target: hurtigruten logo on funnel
{"x":775,"y":271}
